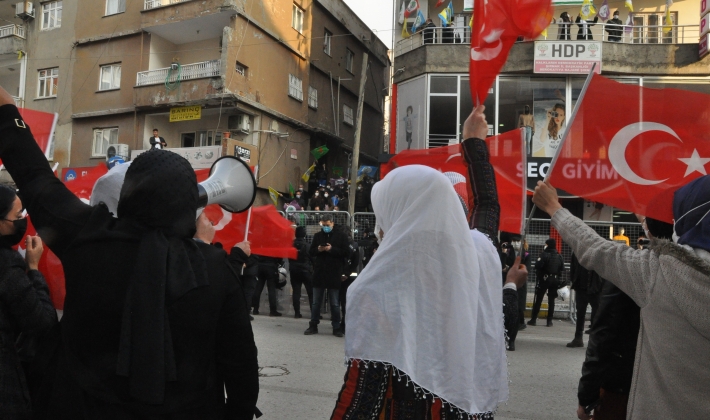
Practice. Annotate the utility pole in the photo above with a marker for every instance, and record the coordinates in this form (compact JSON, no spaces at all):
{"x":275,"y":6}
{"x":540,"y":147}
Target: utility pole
{"x":358,"y":131}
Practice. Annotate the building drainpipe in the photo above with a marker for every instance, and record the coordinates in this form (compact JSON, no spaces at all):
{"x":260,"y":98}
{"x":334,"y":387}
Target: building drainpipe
{"x":393,"y":120}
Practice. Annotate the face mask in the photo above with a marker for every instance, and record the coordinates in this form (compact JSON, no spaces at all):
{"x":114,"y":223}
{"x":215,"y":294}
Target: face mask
{"x":359,"y":188}
{"x":300,"y":189}
{"x":298,"y":196}
{"x":616,"y":16}
{"x":327,"y":229}
{"x":15,"y":238}
{"x":516,"y":245}
{"x":326,"y":196}
{"x":316,"y":194}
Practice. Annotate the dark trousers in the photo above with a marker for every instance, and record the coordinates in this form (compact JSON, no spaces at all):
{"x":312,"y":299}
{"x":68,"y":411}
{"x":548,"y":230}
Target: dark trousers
{"x":540,"y":289}
{"x":581,"y":300}
{"x":269,"y":275}
{"x":522,"y":300}
{"x":301,"y":278}
{"x":334,"y":298}
{"x":343,"y":297}
{"x":249,"y":282}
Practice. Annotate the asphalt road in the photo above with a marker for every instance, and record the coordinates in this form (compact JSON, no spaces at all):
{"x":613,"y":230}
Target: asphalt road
{"x":302,"y":375}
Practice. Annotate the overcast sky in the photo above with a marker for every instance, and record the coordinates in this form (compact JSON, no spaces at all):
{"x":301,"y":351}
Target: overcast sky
{"x":377,"y":14}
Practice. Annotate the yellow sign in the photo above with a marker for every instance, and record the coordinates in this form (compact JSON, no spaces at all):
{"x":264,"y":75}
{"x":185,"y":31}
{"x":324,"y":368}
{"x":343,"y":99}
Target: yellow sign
{"x":185,"y":113}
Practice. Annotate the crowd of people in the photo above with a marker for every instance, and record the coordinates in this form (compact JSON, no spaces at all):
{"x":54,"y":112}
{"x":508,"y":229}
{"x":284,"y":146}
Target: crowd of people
{"x":169,"y":336}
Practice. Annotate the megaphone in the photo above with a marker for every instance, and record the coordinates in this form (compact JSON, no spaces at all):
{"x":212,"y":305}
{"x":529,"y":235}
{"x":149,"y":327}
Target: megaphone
{"x":231,"y":185}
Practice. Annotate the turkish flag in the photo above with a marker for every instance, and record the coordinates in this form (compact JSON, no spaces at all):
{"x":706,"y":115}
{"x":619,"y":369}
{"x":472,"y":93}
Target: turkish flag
{"x":497,"y":24}
{"x":632,"y":147}
{"x":41,"y":125}
{"x":506,"y":156}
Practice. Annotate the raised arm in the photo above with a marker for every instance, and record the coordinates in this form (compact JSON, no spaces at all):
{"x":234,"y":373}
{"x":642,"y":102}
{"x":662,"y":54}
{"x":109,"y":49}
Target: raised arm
{"x":481,"y":181}
{"x":57,"y":214}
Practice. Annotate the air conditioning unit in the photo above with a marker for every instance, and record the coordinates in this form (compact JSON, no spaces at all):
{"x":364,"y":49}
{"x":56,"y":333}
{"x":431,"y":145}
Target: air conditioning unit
{"x":25,"y":9}
{"x":118,"y":150}
{"x":240,"y":122}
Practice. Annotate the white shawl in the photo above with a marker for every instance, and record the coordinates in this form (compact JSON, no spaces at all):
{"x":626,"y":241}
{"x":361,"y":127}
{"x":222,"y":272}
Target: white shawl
{"x":430,"y":300}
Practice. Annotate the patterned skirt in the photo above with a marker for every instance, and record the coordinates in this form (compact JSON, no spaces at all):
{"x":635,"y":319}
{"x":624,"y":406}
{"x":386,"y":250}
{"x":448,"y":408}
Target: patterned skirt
{"x":378,"y":391}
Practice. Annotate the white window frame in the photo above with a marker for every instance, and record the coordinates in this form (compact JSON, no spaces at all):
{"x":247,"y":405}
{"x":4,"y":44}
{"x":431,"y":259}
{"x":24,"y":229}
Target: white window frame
{"x":114,"y":72}
{"x":52,"y":15}
{"x":48,"y":83}
{"x":312,"y":97}
{"x":348,"y":115}
{"x":349,"y":60}
{"x":297,"y":18}
{"x":114,"y":7}
{"x":108,"y":134}
{"x":327,"y":38}
{"x":241,"y":69}
{"x":295,"y":87}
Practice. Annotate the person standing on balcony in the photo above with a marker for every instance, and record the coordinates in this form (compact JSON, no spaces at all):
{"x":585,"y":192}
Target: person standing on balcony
{"x":563,"y":27}
{"x":614,"y":27}
{"x":429,"y":28}
{"x":585,"y":28}
{"x":157,"y":142}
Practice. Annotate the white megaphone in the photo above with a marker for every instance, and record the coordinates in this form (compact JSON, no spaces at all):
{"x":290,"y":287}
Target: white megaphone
{"x":231,"y":185}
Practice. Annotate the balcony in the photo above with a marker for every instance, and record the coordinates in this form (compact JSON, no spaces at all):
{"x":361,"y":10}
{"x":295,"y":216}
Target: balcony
{"x":188,"y":86}
{"x":18,"y":101}
{"x":12,"y":38}
{"x":192,"y":71}
{"x":678,"y":34}
{"x":184,"y":21}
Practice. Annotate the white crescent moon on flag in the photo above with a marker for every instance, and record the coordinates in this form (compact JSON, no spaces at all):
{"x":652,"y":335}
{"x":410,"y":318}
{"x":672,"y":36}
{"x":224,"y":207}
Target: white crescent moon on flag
{"x":621,"y":140}
{"x":481,"y":54}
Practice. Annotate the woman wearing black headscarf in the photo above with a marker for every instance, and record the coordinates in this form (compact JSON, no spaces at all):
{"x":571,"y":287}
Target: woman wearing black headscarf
{"x":25,"y":306}
{"x":155,"y":325}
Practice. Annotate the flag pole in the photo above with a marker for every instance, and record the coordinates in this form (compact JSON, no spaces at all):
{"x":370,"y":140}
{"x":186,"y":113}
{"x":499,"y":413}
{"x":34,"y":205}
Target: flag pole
{"x":246,"y":231}
{"x":559,"y":149}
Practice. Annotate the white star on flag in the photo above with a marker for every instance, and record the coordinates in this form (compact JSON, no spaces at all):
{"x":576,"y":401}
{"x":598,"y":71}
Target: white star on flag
{"x":695,"y":163}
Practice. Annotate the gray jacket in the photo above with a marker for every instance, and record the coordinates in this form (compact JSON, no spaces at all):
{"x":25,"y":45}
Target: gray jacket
{"x":671,"y":284}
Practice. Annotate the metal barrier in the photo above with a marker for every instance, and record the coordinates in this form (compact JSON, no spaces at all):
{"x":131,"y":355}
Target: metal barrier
{"x":363,"y":222}
{"x":311,"y":220}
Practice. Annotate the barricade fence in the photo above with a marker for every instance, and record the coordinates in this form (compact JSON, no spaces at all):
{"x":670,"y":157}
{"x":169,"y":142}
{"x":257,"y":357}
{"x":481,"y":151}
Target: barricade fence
{"x":539,"y":230}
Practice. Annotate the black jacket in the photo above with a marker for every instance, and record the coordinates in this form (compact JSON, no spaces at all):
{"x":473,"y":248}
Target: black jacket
{"x":153,"y":142}
{"x":303,"y":262}
{"x":614,"y":28}
{"x":584,"y":280}
{"x":211,"y":333}
{"x":25,"y":307}
{"x":550,"y":263}
{"x":580,"y":32}
{"x":611,"y":350}
{"x":328,"y":266}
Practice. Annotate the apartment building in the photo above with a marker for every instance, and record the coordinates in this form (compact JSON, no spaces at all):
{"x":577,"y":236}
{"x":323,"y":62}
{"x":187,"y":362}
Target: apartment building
{"x":273,"y":79}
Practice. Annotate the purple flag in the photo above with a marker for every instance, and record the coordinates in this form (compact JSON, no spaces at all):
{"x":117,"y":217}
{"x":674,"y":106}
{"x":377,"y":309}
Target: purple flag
{"x":604,"y":11}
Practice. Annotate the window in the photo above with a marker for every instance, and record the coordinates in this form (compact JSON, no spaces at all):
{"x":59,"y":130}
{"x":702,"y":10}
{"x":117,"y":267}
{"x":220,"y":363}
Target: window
{"x":349,"y":58}
{"x":312,"y":97}
{"x":295,"y":87}
{"x":200,"y":138}
{"x":326,"y":42}
{"x":115,"y":6}
{"x":110,"y":77}
{"x":297,"y":19}
{"x":348,"y":115}
{"x":48,"y":83}
{"x":52,"y":15}
{"x":242,"y":69}
{"x":103,"y":138}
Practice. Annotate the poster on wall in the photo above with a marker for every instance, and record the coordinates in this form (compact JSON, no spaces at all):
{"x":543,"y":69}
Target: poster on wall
{"x":597,"y":212}
{"x":467,"y":5}
{"x":411,"y":115}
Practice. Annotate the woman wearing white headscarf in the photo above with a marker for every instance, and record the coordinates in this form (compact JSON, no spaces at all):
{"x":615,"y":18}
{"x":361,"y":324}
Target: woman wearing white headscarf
{"x":425,"y":332}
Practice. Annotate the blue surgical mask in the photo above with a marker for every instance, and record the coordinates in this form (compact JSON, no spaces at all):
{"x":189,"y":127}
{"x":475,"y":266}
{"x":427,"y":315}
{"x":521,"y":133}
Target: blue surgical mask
{"x":327,"y":229}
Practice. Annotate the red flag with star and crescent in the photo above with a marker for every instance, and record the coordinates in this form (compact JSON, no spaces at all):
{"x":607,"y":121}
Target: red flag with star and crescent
{"x":632,"y":147}
{"x":497,"y":24}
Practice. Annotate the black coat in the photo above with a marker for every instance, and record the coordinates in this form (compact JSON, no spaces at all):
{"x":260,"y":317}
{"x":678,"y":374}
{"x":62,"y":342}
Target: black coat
{"x":25,"y":307}
{"x":580,"y":32}
{"x":303,"y":262}
{"x":611,"y":350}
{"x":614,"y":28}
{"x":211,"y":333}
{"x":328,"y":266}
{"x":160,"y":141}
{"x":584,"y":280}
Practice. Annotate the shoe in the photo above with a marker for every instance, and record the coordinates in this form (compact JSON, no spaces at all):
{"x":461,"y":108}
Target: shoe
{"x":511,"y":346}
{"x":312,"y":329}
{"x":522,"y":326}
{"x":532,"y":323}
{"x":588,"y":331}
{"x":255,"y":312}
{"x":577,"y":342}
{"x":275,"y":313}
{"x":298,"y":315}
{"x":251,"y":318}
{"x":549,"y":323}
{"x":338,"y":333}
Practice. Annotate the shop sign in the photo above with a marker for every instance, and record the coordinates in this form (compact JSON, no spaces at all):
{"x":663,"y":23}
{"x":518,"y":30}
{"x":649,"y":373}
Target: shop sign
{"x":185,"y":113}
{"x":567,"y":57}
{"x":703,"y":45}
{"x":242,"y":153}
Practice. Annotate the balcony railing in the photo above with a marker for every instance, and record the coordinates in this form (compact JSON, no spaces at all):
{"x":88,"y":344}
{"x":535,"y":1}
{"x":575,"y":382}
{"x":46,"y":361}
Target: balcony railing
{"x":192,"y":71}
{"x":152,"y":4}
{"x":12,"y":30}
{"x":18,"y":101}
{"x":678,"y":34}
